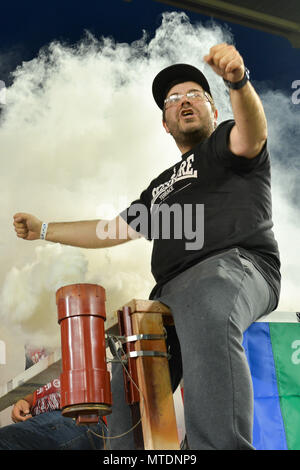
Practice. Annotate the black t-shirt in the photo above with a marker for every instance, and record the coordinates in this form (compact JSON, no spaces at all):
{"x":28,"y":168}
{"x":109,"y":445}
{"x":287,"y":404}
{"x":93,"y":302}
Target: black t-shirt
{"x":224,"y":201}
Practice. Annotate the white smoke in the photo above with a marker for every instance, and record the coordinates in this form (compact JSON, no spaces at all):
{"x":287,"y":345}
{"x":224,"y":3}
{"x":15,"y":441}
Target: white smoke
{"x":81,"y":137}
{"x":284,"y":136}
{"x":28,"y":295}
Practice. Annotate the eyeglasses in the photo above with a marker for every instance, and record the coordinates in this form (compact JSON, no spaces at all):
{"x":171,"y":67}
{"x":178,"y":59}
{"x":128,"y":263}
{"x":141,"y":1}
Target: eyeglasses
{"x":190,"y":95}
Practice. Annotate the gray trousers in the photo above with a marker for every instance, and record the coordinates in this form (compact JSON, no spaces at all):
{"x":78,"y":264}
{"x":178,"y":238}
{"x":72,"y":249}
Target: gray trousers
{"x":212,"y":303}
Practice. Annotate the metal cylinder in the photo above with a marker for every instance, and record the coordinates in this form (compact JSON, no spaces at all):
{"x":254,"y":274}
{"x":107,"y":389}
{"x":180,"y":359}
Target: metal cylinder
{"x":85,"y":380}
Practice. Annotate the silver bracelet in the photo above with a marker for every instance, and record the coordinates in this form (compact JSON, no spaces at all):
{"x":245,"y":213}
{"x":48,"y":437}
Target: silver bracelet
{"x":44,"y":229}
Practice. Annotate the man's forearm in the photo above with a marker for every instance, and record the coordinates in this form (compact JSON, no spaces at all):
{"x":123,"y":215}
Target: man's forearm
{"x":250,"y":131}
{"x":86,"y":234}
{"x":80,"y":233}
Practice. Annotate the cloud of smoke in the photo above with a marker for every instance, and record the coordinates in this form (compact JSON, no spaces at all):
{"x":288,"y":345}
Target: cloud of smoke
{"x":80,"y":139}
{"x":284,"y":137}
{"x":28,"y":294}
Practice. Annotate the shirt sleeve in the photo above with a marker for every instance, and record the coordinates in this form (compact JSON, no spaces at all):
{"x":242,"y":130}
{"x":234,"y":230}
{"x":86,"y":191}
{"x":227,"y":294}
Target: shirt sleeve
{"x":224,"y":154}
{"x":138,"y":215}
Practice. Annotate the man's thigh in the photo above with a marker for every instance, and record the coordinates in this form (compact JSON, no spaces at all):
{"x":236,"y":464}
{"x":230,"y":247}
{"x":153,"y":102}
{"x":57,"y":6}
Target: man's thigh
{"x":224,"y":285}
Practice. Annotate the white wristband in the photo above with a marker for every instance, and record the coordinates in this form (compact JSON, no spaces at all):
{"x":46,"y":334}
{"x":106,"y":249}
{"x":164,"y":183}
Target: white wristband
{"x":44,"y":229}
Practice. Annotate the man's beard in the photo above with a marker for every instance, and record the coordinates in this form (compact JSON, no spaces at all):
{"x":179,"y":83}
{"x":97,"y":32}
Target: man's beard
{"x":190,"y":138}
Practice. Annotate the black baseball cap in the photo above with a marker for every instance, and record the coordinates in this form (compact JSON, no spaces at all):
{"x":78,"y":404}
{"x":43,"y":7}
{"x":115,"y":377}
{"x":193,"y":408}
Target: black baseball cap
{"x":177,"y":73}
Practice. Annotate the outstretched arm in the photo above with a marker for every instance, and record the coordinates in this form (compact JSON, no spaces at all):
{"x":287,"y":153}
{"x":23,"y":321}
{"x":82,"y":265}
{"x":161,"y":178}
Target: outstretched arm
{"x":249,"y":134}
{"x":83,"y":234}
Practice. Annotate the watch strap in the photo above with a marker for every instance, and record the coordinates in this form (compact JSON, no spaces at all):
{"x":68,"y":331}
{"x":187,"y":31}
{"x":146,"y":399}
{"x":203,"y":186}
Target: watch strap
{"x":240,"y":84}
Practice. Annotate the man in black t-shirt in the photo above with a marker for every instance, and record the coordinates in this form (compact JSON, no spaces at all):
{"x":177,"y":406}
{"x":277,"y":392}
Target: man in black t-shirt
{"x":217,"y":267}
{"x":215,"y":259}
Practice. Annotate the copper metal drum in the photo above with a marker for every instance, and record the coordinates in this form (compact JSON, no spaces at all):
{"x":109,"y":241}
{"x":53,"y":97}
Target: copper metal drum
{"x":85,"y":380}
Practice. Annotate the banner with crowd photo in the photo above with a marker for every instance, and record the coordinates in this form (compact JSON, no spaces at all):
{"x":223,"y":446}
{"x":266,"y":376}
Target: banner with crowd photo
{"x":273,"y":353}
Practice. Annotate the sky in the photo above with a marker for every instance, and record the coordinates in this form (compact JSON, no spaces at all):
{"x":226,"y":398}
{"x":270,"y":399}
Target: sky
{"x":81,"y":138}
{"x":27,"y":26}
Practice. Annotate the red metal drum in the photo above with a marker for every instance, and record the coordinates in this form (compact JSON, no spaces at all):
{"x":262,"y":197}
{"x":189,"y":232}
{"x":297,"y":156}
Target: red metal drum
{"x":85,"y":380}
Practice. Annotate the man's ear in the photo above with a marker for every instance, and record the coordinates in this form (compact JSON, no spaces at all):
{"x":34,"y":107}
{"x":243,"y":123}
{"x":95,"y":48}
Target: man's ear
{"x":166,"y":127}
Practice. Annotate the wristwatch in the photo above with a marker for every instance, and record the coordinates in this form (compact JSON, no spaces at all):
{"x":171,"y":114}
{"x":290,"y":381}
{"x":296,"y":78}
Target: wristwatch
{"x":241,"y":83}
